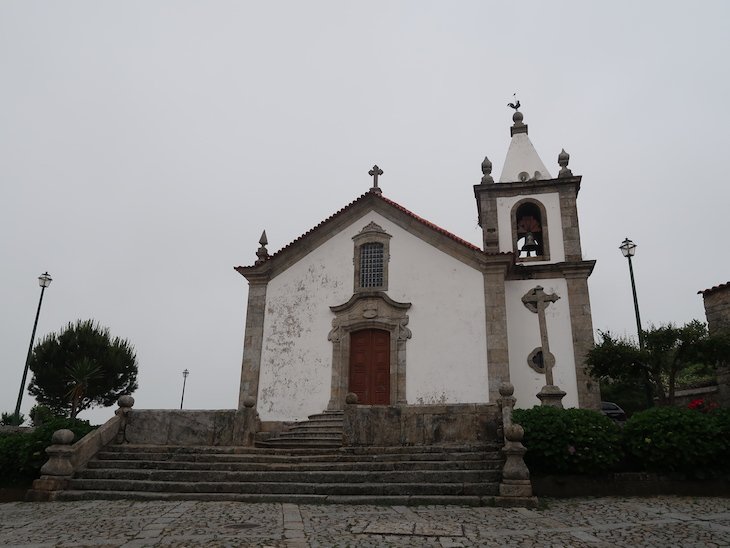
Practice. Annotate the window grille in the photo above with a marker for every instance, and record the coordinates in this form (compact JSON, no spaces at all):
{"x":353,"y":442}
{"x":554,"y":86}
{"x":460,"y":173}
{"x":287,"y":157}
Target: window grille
{"x":371,"y":265}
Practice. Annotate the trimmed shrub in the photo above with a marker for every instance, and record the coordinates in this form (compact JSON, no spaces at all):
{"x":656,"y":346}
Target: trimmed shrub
{"x":22,"y":455}
{"x":8,"y":419}
{"x":674,"y":440}
{"x":569,"y":441}
{"x":41,"y":414}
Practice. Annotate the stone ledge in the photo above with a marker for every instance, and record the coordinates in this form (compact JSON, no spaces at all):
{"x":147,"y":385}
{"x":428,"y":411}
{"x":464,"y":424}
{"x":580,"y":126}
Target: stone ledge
{"x":626,"y":484}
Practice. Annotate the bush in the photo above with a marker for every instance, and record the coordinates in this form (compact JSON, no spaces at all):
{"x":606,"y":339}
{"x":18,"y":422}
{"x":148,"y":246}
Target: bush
{"x":22,"y":455}
{"x":8,"y":419}
{"x":674,"y":440}
{"x":569,"y":441}
{"x":41,"y":414}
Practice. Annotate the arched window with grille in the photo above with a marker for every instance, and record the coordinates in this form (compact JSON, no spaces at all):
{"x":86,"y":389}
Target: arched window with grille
{"x":371,"y":258}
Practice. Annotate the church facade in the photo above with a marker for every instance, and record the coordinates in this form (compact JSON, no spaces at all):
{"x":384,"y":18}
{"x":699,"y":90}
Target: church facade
{"x":380,"y":302}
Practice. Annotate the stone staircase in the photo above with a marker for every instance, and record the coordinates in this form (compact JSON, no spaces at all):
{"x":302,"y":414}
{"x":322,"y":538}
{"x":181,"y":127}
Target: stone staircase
{"x":321,"y":431}
{"x":464,"y":474}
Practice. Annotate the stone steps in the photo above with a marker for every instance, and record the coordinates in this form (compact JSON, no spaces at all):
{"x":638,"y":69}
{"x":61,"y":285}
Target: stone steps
{"x":371,"y":466}
{"x":299,"y":488}
{"x":386,"y":475}
{"x":242,"y":455}
{"x":390,"y":500}
{"x":289,"y":476}
{"x":322,"y":430}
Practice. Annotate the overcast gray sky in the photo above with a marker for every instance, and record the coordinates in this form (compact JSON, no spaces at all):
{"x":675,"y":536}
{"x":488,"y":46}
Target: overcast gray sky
{"x":144,"y":145}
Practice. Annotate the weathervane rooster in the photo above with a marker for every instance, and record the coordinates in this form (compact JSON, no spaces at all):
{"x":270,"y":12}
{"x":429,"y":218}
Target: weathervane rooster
{"x":516,"y":104}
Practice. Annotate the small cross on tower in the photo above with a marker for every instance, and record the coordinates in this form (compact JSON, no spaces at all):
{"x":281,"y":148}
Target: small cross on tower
{"x":374,"y":174}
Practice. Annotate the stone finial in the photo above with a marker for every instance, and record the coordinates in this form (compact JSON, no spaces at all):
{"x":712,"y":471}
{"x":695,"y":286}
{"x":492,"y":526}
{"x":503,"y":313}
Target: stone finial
{"x":249,"y":402}
{"x":59,"y":460}
{"x":506,"y":389}
{"x":351,"y":398}
{"x":487,"y":171}
{"x":518,"y":126}
{"x":563,"y":159}
{"x":62,"y":437}
{"x":262,"y":253}
{"x":125,"y":401}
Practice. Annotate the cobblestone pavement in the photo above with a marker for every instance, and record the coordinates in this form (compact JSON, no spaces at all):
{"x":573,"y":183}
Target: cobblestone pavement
{"x":603,"y":522}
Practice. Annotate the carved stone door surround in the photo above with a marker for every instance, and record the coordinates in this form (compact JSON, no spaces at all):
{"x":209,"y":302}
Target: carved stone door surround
{"x":368,"y":310}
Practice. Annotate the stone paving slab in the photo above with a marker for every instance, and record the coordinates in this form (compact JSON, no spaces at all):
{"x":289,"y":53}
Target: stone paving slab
{"x":599,"y":523}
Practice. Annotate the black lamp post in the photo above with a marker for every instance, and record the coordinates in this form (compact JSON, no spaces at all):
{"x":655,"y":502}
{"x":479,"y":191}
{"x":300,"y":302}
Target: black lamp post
{"x":185,"y":378}
{"x":44,"y":280}
{"x":628,"y":248}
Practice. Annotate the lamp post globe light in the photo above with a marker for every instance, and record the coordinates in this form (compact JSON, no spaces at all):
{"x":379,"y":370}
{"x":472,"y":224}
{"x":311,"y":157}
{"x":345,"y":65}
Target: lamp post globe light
{"x":628,"y":248}
{"x":44,"y":280}
{"x":185,"y":378}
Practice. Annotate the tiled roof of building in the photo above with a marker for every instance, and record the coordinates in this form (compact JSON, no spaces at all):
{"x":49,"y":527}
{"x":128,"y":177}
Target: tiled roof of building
{"x":388,"y":201}
{"x":726,"y":285}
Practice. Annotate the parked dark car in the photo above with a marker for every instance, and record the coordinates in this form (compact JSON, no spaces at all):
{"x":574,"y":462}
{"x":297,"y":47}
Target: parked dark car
{"x":613,"y":411}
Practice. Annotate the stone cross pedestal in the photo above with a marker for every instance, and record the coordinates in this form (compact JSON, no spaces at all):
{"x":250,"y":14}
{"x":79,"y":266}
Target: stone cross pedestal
{"x":537,"y":301}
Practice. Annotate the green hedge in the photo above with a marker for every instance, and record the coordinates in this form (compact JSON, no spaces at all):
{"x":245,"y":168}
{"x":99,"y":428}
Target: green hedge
{"x":666,"y":440}
{"x":22,"y":455}
{"x":569,"y":441}
{"x":673,"y":440}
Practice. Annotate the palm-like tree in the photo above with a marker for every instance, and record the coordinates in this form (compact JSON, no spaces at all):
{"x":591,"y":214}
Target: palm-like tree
{"x":81,"y":373}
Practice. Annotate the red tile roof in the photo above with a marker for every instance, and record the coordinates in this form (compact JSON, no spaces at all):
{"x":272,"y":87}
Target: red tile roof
{"x":399,"y":207}
{"x":715,"y":288}
{"x":430,"y":224}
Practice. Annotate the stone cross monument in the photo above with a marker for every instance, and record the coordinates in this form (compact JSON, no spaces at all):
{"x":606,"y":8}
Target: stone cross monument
{"x":537,"y":301}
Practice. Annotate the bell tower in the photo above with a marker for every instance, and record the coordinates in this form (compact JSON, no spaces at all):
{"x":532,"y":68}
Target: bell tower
{"x":533,"y":215}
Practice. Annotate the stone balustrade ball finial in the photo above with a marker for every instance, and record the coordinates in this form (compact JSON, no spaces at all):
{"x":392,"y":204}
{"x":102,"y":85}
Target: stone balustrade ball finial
{"x":563,"y":159}
{"x":487,"y":171}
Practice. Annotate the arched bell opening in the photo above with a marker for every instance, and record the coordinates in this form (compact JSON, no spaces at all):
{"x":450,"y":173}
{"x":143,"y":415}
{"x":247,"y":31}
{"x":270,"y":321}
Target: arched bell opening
{"x":529,"y":231}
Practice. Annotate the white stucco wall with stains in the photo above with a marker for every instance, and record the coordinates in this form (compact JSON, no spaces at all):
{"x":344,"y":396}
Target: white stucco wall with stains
{"x":524,"y":336}
{"x":446,"y":356}
{"x":551,"y":201}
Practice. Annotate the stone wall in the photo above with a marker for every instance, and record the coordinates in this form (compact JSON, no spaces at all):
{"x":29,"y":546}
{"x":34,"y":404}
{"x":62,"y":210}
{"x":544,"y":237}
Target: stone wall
{"x":717,"y":311}
{"x":717,"y":308}
{"x":186,"y":427}
{"x":398,"y":425}
{"x":710,"y":394}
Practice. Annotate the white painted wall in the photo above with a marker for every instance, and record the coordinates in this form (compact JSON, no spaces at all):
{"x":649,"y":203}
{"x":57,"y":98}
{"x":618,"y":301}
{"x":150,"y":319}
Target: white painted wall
{"x":446,"y":357}
{"x":524,"y":337}
{"x":551,"y":201}
{"x":522,"y":156}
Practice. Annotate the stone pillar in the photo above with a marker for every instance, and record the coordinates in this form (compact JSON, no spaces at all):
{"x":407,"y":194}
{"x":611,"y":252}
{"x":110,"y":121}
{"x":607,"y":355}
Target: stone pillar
{"x":581,"y":325}
{"x":515,"y":489}
{"x":488,"y":216}
{"x":125,"y":404}
{"x":497,"y":342}
{"x":569,"y":218}
{"x":246,"y":423}
{"x":57,"y":472}
{"x":253,"y":340}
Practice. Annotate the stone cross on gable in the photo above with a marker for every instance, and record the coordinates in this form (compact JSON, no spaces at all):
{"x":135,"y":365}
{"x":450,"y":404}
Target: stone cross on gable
{"x":537,"y":301}
{"x":374,"y":173}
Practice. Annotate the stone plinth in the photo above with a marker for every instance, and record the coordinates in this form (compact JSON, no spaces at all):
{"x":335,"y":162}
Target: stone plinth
{"x":551,"y":395}
{"x":187,"y":427}
{"x":397,"y":425}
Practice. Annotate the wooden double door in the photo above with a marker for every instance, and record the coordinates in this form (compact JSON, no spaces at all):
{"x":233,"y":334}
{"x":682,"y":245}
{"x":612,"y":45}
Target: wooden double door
{"x":370,"y":366}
